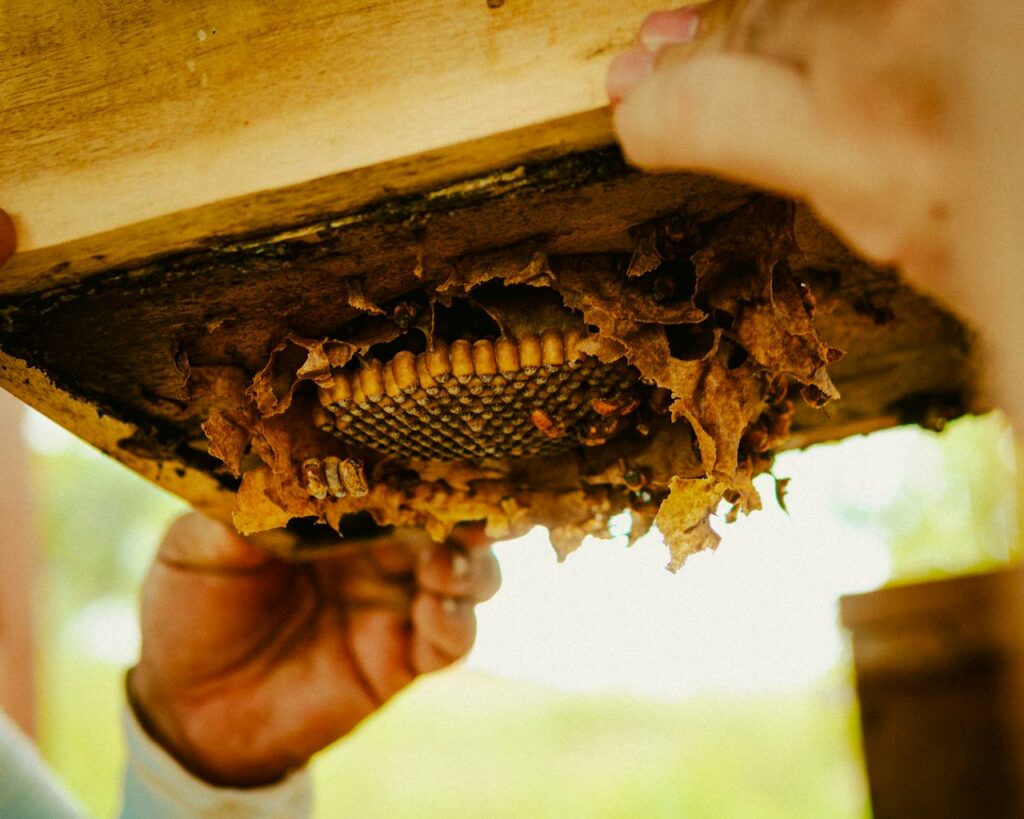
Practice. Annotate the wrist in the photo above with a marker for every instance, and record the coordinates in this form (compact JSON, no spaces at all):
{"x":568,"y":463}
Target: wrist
{"x":215,"y":760}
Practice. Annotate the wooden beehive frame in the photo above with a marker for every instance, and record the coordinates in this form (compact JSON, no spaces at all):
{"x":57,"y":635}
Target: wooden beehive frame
{"x":228,"y":157}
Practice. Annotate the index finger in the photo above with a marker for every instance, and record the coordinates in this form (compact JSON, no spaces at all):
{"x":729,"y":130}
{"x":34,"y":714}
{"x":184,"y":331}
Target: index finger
{"x":449,"y":571}
{"x":470,"y":536}
{"x":8,"y":239}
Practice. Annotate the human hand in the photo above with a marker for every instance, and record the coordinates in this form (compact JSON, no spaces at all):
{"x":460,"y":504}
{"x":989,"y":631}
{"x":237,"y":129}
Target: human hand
{"x":250,"y":665}
{"x":844,"y":105}
{"x":898,"y":121}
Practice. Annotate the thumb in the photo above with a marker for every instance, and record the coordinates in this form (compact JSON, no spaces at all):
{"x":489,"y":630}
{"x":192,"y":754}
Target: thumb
{"x":729,"y":114}
{"x":208,"y":599}
{"x":757,"y":121}
{"x":196,"y":541}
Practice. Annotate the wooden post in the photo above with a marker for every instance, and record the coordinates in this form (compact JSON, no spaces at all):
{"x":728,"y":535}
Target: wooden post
{"x":18,"y":570}
{"x":940,"y":676}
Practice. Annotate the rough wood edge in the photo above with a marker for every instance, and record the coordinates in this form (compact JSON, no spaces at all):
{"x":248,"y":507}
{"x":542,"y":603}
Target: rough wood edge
{"x":262,"y":215}
{"x":109,"y":434}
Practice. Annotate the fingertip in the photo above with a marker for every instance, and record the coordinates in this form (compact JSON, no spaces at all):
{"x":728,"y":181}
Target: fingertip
{"x":199,"y":541}
{"x":8,"y":237}
{"x":663,"y":28}
{"x":735,"y":115}
{"x":460,"y":566}
{"x":626,"y":72}
{"x":490,"y":580}
{"x":470,"y":574}
{"x":442,"y":568}
{"x":637,"y":132}
{"x":395,"y":556}
{"x":470,"y":536}
{"x":449,"y":606}
{"x":646,"y":122}
{"x":446,"y":623}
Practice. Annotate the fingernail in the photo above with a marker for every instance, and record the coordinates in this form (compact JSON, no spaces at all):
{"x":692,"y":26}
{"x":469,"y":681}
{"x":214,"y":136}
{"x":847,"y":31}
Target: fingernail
{"x":664,"y":28}
{"x":449,"y":605}
{"x":460,"y":566}
{"x":626,"y":72}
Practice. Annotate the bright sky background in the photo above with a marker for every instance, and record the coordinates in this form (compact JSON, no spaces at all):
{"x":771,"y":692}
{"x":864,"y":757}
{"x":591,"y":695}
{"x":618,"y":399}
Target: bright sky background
{"x":758,"y":615}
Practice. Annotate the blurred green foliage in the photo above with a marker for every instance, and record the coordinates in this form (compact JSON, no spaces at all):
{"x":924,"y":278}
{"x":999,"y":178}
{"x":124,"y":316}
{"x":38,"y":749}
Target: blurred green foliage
{"x":100,"y":525}
{"x":465,"y":745}
{"x":962,"y":513}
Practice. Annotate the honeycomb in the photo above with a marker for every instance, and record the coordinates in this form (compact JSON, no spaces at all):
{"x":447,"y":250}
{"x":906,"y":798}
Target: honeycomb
{"x":475,"y":400}
{"x":520,"y":389}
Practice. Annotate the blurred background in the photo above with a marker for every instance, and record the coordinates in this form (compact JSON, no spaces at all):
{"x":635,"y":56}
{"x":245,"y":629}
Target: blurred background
{"x":601,"y":687}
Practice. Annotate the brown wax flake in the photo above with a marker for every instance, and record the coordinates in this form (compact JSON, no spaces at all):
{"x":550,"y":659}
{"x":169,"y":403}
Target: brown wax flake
{"x":719,"y":403}
{"x":438,"y":508}
{"x":292,"y":361}
{"x":522,"y":264}
{"x":572,"y":515}
{"x":254,"y":509}
{"x":613,"y":302}
{"x":780,"y":335}
{"x":781,"y":487}
{"x":741,"y":492}
{"x":526,"y":311}
{"x":646,"y":256}
{"x":603,"y":348}
{"x":713,"y":338}
{"x":684,"y":519}
{"x":357,"y":298}
{"x":459,"y":474}
{"x":229,"y":433}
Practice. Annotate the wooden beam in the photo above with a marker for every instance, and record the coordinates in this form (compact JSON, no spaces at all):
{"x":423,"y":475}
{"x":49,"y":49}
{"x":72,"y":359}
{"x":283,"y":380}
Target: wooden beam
{"x":101,"y":352}
{"x":116,"y":112}
{"x":285,"y":212}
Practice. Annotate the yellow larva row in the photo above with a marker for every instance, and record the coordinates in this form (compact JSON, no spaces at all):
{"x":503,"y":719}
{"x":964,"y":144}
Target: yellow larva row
{"x":334,"y":476}
{"x":463,"y":360}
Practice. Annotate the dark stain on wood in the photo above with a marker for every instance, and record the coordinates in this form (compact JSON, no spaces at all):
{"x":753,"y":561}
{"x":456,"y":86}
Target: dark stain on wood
{"x":116,"y":338}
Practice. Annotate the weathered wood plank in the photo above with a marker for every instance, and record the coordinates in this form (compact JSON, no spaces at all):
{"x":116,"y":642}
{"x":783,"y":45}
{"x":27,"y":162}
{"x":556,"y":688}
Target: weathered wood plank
{"x":260,"y":216}
{"x":116,"y":112}
{"x":116,"y":347}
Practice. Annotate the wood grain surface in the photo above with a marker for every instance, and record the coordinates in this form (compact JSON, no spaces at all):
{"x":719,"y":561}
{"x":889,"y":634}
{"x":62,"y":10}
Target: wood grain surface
{"x":117,"y":112}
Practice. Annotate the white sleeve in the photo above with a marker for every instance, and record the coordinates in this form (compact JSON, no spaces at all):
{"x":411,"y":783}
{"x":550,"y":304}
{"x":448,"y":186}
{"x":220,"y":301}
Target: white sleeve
{"x":28,"y":789}
{"x":156,"y":786}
